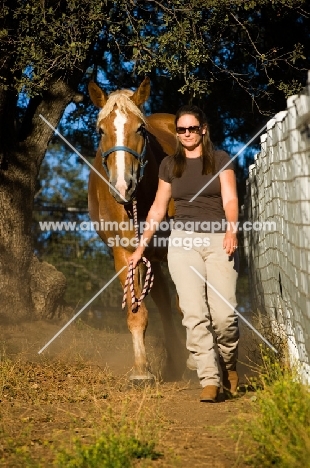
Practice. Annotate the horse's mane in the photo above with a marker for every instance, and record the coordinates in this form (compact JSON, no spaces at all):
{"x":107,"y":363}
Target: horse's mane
{"x":122,"y":100}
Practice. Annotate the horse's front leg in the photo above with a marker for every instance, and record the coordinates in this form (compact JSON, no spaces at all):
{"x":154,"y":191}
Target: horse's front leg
{"x":137,"y":322}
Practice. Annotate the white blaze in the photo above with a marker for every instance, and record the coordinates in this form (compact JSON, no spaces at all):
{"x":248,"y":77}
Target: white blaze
{"x":119,"y":123}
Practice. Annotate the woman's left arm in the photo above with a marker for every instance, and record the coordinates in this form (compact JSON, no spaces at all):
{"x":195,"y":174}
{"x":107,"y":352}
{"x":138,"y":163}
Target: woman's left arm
{"x":230,"y":205}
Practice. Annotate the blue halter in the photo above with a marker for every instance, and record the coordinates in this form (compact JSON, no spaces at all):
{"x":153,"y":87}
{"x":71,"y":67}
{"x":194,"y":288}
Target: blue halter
{"x":140,"y":157}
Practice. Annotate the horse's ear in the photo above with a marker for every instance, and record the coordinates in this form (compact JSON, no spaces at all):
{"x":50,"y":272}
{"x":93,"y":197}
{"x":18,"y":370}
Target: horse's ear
{"x":143,"y":92}
{"x":97,"y":95}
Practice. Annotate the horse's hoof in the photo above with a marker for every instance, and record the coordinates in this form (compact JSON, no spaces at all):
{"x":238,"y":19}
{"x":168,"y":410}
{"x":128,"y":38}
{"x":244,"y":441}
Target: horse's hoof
{"x":142,"y":383}
{"x":142,"y":380}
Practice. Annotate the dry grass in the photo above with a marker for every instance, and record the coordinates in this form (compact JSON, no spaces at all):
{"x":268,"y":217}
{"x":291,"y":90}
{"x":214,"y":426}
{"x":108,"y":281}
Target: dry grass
{"x":71,"y":401}
{"x":45,"y":406}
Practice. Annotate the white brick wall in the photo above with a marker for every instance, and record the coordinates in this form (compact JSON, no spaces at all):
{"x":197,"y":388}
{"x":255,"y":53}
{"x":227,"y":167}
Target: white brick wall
{"x":278,"y":189}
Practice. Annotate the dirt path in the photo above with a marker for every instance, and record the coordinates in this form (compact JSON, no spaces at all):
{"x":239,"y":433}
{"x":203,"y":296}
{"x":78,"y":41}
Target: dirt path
{"x":206,"y":435}
{"x":191,"y":433}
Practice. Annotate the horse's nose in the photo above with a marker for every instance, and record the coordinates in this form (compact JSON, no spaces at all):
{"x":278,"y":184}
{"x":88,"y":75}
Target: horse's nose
{"x":123,"y":189}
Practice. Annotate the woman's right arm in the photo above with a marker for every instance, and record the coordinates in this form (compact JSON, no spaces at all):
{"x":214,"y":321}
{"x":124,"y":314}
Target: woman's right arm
{"x":155,"y":215}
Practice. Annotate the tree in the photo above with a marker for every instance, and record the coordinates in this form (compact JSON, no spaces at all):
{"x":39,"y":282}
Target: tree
{"x":77,"y":252}
{"x":234,"y":58}
{"x":45,"y":48}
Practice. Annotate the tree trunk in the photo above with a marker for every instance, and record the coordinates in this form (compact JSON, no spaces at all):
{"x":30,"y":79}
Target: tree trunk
{"x":28,"y":288}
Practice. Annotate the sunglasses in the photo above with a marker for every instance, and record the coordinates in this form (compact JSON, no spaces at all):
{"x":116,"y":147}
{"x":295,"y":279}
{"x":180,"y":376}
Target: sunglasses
{"x":191,"y":129}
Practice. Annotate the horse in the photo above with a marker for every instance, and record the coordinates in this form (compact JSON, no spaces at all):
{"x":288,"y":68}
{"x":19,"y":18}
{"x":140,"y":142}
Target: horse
{"x":131,"y":148}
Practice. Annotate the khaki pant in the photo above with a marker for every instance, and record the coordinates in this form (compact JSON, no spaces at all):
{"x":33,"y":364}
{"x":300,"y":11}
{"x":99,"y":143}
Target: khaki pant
{"x":210,"y":322}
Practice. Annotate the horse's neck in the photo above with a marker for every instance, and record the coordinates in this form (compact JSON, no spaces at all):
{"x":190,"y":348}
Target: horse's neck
{"x":156,"y":152}
{"x":161,"y":142}
{"x":161,"y":127}
{"x":148,"y":185}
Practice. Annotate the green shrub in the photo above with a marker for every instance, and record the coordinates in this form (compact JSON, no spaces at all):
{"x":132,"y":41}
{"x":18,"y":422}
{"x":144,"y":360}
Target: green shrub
{"x":110,"y":450}
{"x":281,"y":428}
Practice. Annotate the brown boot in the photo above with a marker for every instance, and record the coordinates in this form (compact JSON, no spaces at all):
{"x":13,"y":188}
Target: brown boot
{"x":209,"y":393}
{"x":230,"y":382}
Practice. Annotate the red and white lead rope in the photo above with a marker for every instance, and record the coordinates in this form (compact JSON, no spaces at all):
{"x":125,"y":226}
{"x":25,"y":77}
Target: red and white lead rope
{"x":149,"y":277}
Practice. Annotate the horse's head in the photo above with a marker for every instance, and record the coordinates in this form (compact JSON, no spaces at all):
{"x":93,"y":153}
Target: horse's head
{"x":121,"y":124}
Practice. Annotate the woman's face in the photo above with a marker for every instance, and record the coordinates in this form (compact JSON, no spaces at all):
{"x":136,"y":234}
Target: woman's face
{"x":190,"y":140}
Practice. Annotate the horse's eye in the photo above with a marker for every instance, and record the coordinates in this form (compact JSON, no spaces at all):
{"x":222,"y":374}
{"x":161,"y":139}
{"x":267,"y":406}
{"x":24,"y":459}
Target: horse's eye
{"x":141,"y":129}
{"x":101,"y":132}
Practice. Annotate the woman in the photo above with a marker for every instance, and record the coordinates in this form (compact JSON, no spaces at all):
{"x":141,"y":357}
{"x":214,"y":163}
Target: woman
{"x":202,"y":253}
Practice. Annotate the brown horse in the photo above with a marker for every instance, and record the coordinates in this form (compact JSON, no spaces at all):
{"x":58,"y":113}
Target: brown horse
{"x":131,"y":148}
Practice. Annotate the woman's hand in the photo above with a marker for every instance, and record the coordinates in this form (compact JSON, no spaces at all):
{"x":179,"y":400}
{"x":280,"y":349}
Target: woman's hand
{"x":135,"y":258}
{"x":155,"y":215}
{"x":230,"y":243}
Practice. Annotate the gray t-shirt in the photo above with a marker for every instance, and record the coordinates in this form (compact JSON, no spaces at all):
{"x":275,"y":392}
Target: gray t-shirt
{"x":205,"y":213}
